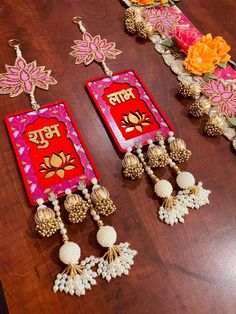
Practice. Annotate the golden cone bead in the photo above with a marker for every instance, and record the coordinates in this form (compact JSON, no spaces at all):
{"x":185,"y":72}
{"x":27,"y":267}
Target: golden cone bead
{"x":46,"y":222}
{"x":44,"y":213}
{"x":71,"y":201}
{"x":157,"y":157}
{"x":215,"y":125}
{"x":199,"y":107}
{"x":78,"y":214}
{"x":178,"y":150}
{"x":195,"y":90}
{"x":132,"y":167}
{"x":99,"y":194}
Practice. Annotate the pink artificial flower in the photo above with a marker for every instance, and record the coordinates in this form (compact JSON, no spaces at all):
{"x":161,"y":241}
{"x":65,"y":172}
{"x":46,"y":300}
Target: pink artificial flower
{"x":93,"y":48}
{"x":24,"y":77}
{"x":186,"y":37}
{"x":222,"y":95}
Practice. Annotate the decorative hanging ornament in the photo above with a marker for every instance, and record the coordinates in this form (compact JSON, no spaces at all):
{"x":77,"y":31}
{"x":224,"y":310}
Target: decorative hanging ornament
{"x":133,"y":119}
{"x":202,"y":64}
{"x":53,"y":158}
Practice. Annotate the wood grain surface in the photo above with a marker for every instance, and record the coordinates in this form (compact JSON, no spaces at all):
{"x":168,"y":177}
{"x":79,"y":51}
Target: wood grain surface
{"x":188,"y":268}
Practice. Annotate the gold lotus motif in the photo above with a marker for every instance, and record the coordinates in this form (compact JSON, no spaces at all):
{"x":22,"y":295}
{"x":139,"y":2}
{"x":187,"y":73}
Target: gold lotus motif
{"x":57,"y":164}
{"x":135,"y":121}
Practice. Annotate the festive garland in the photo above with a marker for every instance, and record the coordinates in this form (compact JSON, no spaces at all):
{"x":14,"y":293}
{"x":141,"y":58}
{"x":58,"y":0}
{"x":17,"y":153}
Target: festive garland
{"x":202,"y":63}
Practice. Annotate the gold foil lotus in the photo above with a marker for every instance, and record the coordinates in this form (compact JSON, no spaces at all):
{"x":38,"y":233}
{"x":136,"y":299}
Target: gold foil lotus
{"x":57,"y":164}
{"x":135,"y":121}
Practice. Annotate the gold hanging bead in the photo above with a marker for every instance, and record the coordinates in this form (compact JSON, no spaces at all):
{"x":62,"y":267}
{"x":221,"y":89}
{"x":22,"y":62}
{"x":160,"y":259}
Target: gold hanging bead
{"x":101,"y":199}
{"x":184,"y":89}
{"x":142,"y":30}
{"x":199,"y":107}
{"x":215,"y":125}
{"x":130,"y":23}
{"x":46,"y":222}
{"x":178,"y":150}
{"x":195,"y":90}
{"x":132,"y":167}
{"x":157,"y":157}
{"x":76,"y":207}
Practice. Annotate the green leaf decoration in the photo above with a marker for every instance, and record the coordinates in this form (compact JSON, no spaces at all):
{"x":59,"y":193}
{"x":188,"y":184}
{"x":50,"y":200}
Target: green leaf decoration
{"x":232,"y":121}
{"x":209,"y":76}
{"x":168,"y":42}
{"x":222,"y":65}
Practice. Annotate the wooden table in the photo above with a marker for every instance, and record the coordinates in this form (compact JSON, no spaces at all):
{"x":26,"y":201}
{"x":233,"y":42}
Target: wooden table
{"x":188,"y":268}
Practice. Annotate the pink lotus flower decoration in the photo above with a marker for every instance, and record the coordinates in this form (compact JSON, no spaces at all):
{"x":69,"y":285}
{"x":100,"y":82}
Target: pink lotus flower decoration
{"x":93,"y":48}
{"x":162,"y":19}
{"x":186,"y":37}
{"x":24,"y":77}
{"x":222,"y":95}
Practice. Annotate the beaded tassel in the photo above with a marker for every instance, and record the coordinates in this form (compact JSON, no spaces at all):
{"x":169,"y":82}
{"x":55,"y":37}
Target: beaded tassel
{"x":193,"y":194}
{"x":173,"y":209}
{"x":119,"y":258}
{"x":76,"y":277}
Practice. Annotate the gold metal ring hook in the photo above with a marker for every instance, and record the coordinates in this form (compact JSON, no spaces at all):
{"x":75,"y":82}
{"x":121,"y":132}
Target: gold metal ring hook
{"x":14,"y":42}
{"x":76,"y":19}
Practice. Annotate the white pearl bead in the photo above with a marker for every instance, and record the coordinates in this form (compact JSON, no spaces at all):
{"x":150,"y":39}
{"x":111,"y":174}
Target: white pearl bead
{"x":39,"y":201}
{"x":69,"y":253}
{"x":68,"y":191}
{"x":93,"y":212}
{"x":94,"y":181}
{"x":172,"y":164}
{"x":41,"y":206}
{"x":185,"y":180}
{"x":163,"y":188}
{"x":149,"y":142}
{"x":85,"y":191}
{"x":87,"y":196}
{"x":171,"y":139}
{"x":139,"y":150}
{"x":56,"y":208}
{"x":61,"y":225}
{"x":96,"y":217}
{"x":56,"y":202}
{"x":150,"y":172}
{"x":63,"y":231}
{"x":171,"y":133}
{"x":106,"y":236}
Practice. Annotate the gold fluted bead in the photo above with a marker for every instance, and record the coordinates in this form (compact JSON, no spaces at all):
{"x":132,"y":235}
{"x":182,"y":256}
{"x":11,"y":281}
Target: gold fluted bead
{"x":71,"y":201}
{"x":215,"y":125}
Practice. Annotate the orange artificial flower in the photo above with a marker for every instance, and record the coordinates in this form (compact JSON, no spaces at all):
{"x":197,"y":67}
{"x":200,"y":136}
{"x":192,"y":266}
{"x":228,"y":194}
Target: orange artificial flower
{"x":143,"y":2}
{"x":163,"y":1}
{"x":219,"y":45}
{"x":201,"y":59}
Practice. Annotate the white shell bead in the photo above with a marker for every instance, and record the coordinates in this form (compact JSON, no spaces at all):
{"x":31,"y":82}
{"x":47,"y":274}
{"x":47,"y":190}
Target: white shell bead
{"x":163,"y":188}
{"x":69,"y":253}
{"x":106,"y":236}
{"x":185,"y":180}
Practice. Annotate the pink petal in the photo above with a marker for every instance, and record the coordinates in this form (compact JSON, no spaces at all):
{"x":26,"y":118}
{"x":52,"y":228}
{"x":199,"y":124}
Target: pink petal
{"x":31,"y":66}
{"x":216,"y":99}
{"x":16,"y":91}
{"x":89,"y":59}
{"x":24,"y":76}
{"x":97,"y":39}
{"x":12,"y":69}
{"x":21,"y":63}
{"x":8,"y":82}
{"x":87,"y":37}
{"x":221,"y":87}
{"x":226,"y":95}
{"x":108,"y":46}
{"x":214,"y":86}
{"x":99,"y":56}
{"x":5,"y":90}
{"x":35,"y":71}
{"x":28,"y":86}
